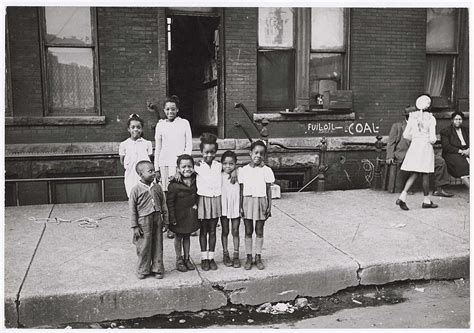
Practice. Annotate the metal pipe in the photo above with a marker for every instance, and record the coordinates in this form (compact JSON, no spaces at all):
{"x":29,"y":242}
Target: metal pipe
{"x":25,"y":180}
{"x":249,"y":115}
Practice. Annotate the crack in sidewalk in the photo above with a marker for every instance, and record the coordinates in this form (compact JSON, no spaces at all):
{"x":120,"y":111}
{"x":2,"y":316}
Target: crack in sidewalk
{"x":18,"y":295}
{"x":359,"y":270}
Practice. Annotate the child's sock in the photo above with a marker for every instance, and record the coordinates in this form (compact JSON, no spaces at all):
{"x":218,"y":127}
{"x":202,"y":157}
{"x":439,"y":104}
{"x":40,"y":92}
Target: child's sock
{"x":403,"y":196}
{"x":258,"y":245}
{"x":236,"y":253}
{"x":204,"y":255}
{"x":426,"y":199}
{"x":211,"y":255}
{"x":248,"y":246}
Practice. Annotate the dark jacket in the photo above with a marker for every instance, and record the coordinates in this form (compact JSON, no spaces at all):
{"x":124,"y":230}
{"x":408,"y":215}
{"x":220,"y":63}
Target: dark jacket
{"x":450,"y":139}
{"x":180,"y":200}
{"x":397,"y":145}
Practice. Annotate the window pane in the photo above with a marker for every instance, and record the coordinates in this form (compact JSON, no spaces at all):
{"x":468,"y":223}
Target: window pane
{"x":275,"y":27}
{"x":70,"y":81}
{"x":327,"y":28}
{"x":439,"y":75}
{"x":275,"y":79}
{"x":68,"y":25}
{"x":325,"y":73}
{"x":441,"y":29}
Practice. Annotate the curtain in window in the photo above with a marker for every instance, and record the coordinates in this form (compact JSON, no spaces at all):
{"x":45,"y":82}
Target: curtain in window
{"x":436,"y":68}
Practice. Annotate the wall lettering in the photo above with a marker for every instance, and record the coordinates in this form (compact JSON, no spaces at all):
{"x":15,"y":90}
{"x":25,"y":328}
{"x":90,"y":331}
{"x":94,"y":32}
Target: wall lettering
{"x":347,"y":128}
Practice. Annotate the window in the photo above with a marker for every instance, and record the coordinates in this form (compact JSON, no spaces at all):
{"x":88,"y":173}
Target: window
{"x":328,"y":47}
{"x":441,"y":55}
{"x":276,"y":59}
{"x":70,"y":61}
{"x":302,"y":53}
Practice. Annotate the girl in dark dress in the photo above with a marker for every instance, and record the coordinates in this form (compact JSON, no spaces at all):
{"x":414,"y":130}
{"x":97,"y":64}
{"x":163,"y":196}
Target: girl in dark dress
{"x":182,"y":201}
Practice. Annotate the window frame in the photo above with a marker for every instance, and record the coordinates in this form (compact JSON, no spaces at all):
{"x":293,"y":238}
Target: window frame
{"x":291,"y":49}
{"x":302,"y":49}
{"x":343,"y":52}
{"x":44,"y":66}
{"x":454,"y":54}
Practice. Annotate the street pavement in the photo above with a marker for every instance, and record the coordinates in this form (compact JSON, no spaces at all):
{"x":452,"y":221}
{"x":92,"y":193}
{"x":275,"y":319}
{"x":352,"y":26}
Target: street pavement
{"x":315,"y":245}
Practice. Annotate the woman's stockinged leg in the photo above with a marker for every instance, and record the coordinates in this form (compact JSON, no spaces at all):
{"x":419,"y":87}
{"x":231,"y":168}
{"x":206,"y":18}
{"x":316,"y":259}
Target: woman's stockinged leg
{"x":426,"y":184}
{"x":225,"y":233}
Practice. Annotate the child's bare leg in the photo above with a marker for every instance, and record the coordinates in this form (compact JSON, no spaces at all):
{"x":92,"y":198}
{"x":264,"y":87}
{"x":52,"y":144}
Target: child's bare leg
{"x":225,"y":233}
{"x":203,"y":238}
{"x":259,"y":243}
{"x":235,"y":235}
{"x":248,"y":242}
{"x":212,"y":242}
{"x":186,"y":245}
{"x":177,"y":245}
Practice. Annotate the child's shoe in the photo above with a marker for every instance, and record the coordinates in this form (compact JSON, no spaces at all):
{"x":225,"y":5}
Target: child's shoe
{"x":189,"y":265}
{"x":258,"y":262}
{"x":212,"y":264}
{"x":180,"y":266}
{"x":236,"y":262}
{"x":159,"y":276}
{"x":205,"y":264}
{"x":227,"y":260}
{"x":248,"y":262}
{"x":141,"y":276}
{"x":170,"y":234}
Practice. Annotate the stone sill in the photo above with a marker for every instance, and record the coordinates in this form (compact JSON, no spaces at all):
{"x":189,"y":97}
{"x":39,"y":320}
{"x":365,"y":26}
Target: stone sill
{"x":330,"y":115}
{"x":54,"y":121}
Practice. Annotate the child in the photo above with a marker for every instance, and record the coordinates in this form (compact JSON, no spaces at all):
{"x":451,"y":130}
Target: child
{"x":132,"y":150}
{"x":172,"y":138}
{"x":230,"y":200}
{"x":148,"y":213}
{"x":182,"y":204}
{"x":255,"y":200}
{"x":208,"y":181}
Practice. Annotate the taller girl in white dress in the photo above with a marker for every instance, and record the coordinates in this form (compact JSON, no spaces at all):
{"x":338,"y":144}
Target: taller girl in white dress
{"x":421,"y":131}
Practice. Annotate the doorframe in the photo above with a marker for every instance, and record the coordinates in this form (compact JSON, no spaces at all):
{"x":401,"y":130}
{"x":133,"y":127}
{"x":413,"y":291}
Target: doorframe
{"x":217,"y":13}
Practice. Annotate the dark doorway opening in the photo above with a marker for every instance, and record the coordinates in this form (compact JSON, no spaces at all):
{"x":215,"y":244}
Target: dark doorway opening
{"x":193,"y":67}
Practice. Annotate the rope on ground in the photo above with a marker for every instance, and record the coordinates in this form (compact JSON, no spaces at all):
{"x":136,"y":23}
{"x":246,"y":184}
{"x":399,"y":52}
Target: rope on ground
{"x":83,"y":222}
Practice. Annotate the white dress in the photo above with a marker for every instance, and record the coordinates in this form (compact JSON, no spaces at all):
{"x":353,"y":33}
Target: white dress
{"x":133,"y":152}
{"x":230,"y":197}
{"x":421,"y":131}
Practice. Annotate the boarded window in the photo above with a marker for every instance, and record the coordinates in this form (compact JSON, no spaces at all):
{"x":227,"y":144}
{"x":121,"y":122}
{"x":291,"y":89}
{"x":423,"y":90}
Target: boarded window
{"x":441,"y":30}
{"x":275,"y":79}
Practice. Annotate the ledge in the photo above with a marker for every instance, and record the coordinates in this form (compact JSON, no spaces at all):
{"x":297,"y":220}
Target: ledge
{"x":301,"y":116}
{"x":54,"y":121}
{"x":446,"y":114}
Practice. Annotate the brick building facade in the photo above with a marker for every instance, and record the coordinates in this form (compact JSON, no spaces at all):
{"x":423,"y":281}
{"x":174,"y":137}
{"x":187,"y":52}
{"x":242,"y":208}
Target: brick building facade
{"x":383,"y":67}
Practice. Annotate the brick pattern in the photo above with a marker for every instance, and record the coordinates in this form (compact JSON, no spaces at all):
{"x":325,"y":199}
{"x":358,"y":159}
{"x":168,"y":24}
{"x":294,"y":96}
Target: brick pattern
{"x":131,"y":73}
{"x":240,"y":35}
{"x":387,"y":62}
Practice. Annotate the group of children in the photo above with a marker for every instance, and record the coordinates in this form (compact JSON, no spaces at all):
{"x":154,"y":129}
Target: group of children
{"x":184,"y":195}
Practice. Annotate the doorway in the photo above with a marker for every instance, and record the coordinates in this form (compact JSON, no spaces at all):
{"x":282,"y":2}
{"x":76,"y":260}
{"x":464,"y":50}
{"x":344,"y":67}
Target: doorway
{"x":193,"y":69}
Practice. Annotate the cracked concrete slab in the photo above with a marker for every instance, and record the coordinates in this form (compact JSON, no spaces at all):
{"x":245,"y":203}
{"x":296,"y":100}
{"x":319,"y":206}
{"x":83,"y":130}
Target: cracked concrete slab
{"x":84,"y":275}
{"x":21,"y":238}
{"x":403,"y":245}
{"x":297,"y":262}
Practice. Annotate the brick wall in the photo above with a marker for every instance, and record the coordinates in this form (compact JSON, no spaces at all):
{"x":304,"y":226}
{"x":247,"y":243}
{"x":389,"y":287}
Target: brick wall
{"x":387,"y":61}
{"x":132,"y":72}
{"x":240,"y":36}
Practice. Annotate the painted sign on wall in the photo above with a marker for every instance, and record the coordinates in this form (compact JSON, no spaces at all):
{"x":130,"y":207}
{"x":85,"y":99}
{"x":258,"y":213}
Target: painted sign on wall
{"x":347,"y":128}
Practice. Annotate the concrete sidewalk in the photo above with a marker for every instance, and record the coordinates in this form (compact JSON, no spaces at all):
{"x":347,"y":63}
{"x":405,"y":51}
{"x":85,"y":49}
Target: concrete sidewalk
{"x":315,"y":245}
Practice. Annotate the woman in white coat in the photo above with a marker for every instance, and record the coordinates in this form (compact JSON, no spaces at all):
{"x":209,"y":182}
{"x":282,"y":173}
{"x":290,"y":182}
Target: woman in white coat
{"x":421,"y":131}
